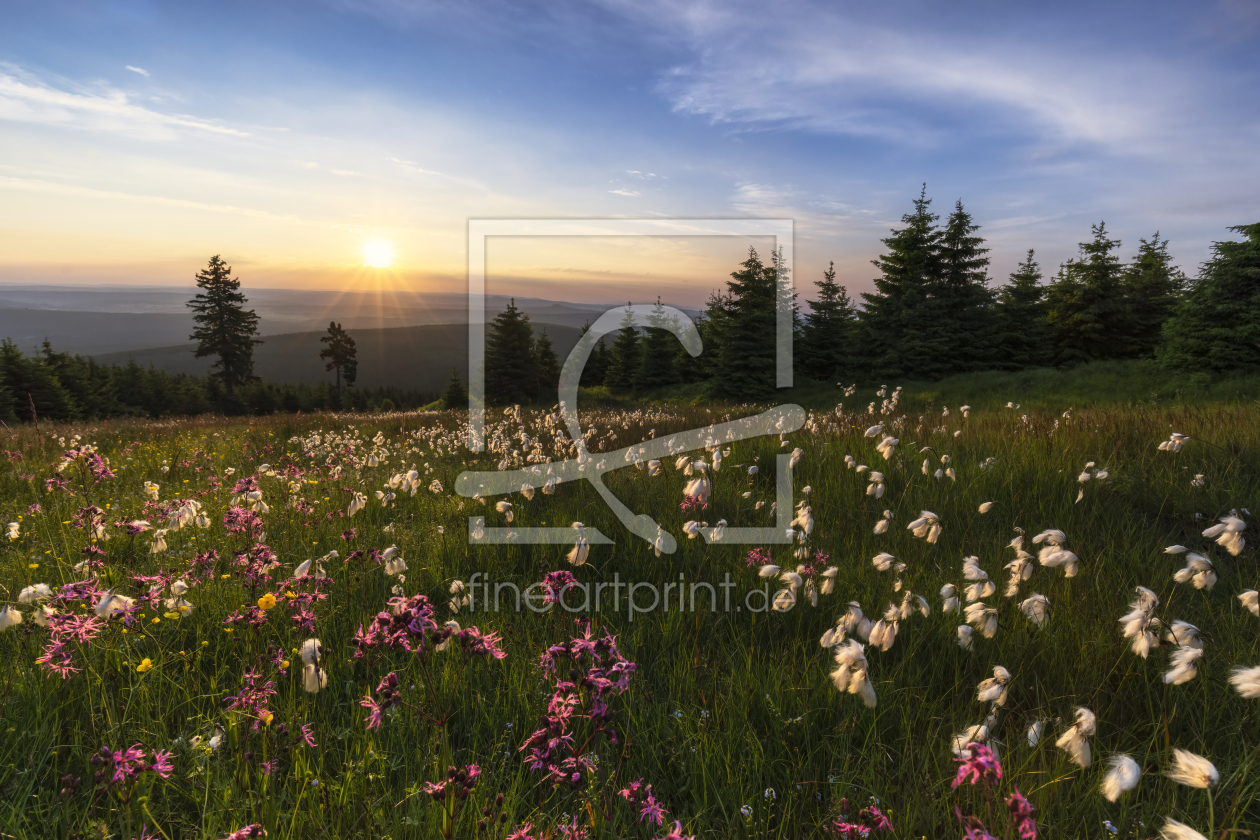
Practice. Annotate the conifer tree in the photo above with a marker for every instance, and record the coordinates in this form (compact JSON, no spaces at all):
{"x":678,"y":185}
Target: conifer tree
{"x":1216,"y":325}
{"x":225,"y":328}
{"x":827,"y":334}
{"x":963,"y":303}
{"x":341,"y":353}
{"x":1087,"y":309}
{"x":456,"y":395}
{"x":596,"y":364}
{"x":547,"y":364}
{"x":511,"y":375}
{"x":1023,"y":335}
{"x":1153,"y":286}
{"x":747,"y":360}
{"x":899,"y":329}
{"x":656,"y":367}
{"x":624,"y":356}
{"x":692,"y":369}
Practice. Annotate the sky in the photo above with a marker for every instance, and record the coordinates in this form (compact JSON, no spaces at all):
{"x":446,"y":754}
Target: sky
{"x":139,"y":138}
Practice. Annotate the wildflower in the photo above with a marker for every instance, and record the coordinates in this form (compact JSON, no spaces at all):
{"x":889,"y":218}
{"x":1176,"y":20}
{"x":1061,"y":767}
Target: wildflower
{"x":1192,"y":770}
{"x":884,"y":631}
{"x":876,"y":487}
{"x":887,"y":447}
{"x":1250,"y":601}
{"x":151,"y":490}
{"x":1228,"y":533}
{"x":9,"y":617}
{"x":980,"y":765}
{"x":949,"y":593}
{"x":393,"y":560}
{"x":13,"y":530}
{"x":1073,"y":740}
{"x":1246,"y":681}
{"x":964,"y":636}
{"x":1122,"y":776}
{"x":1174,"y":443}
{"x":1036,"y":608}
{"x":267,"y":602}
{"x":35,"y":592}
{"x":357,"y":503}
{"x":1139,"y":624}
{"x":505,"y":508}
{"x":145,"y":664}
{"x":1198,"y":481}
{"x":1174,"y":830}
{"x":983,"y":587}
{"x":795,"y":457}
{"x":994,"y":689}
{"x":986,"y":507}
{"x":1183,"y":634}
{"x":883,"y":561}
{"x":1021,"y":811}
{"x":881,"y":527}
{"x":1033,"y":735}
{"x":112,"y":604}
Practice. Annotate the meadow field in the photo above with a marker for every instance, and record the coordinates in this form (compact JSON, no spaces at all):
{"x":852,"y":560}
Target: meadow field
{"x":231,"y":628}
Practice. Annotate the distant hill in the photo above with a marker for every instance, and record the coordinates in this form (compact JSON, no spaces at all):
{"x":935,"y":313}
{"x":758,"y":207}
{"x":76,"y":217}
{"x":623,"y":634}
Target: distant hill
{"x":418,"y":358}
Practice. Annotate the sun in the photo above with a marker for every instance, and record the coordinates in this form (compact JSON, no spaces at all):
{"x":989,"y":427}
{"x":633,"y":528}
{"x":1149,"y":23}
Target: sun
{"x":378,"y":253}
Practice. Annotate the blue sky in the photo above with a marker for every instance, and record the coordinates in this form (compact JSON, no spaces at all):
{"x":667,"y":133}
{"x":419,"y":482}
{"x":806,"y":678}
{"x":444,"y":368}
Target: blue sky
{"x":139,"y":137}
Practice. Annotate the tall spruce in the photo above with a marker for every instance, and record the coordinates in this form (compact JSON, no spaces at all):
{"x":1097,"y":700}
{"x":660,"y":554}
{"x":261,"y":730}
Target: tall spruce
{"x":1087,"y":308}
{"x":341,"y":354}
{"x":900,"y":330}
{"x":511,"y":375}
{"x":656,"y":367}
{"x":547,"y":364}
{"x":1216,"y":325}
{"x":1153,"y":286}
{"x":963,"y":302}
{"x":596,"y":364}
{"x":623,"y":362}
{"x":1023,"y":335}
{"x":225,"y":328}
{"x":827,"y":335}
{"x":747,"y":359}
{"x":455,"y":396}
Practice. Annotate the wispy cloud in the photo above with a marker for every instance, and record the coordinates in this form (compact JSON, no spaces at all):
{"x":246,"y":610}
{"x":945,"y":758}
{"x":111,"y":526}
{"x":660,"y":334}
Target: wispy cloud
{"x":625,"y":192}
{"x":24,"y":98}
{"x":139,"y":70}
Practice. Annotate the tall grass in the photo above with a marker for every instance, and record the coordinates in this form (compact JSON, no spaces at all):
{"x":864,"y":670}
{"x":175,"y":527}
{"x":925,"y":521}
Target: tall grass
{"x":730,"y":715}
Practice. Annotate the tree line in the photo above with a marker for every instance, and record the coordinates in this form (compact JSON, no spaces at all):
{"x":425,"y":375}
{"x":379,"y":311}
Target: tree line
{"x":931,"y":314}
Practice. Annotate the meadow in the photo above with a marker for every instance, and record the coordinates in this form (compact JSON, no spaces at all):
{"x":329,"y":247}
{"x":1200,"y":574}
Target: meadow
{"x":244,"y":627}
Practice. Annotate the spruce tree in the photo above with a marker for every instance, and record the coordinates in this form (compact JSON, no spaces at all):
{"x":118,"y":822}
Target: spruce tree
{"x":456,"y":395}
{"x":1216,"y":325}
{"x":33,"y":389}
{"x":596,"y":363}
{"x":656,"y":367}
{"x":747,"y":365}
{"x":1023,"y":335}
{"x":547,"y":364}
{"x":225,"y":328}
{"x":900,"y":332}
{"x":1086,"y":305}
{"x":341,"y":354}
{"x":827,"y":335}
{"x":624,"y":356}
{"x":1153,"y":286}
{"x":963,"y":303}
{"x":511,"y":376}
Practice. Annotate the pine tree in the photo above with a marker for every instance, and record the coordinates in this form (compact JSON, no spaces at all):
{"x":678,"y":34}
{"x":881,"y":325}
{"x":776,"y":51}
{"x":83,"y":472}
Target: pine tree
{"x":656,"y":367}
{"x":33,"y":389}
{"x":963,"y":303}
{"x":596,"y":364}
{"x":511,"y":376}
{"x":747,"y":361}
{"x":341,"y":354}
{"x":827,"y":335}
{"x":456,"y":395}
{"x":900,"y":330}
{"x":1216,"y":326}
{"x":547,"y":364}
{"x":624,"y":357}
{"x":1023,"y":335}
{"x":1153,"y":286}
{"x":1086,"y":306}
{"x":225,"y":328}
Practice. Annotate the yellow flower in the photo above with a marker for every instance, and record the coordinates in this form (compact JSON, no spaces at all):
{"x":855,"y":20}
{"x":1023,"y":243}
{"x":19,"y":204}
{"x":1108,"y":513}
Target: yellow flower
{"x":290,"y":594}
{"x":144,"y":665}
{"x":284,"y":664}
{"x":266,"y":717}
{"x":171,"y":615}
{"x":155,"y":620}
{"x":267,"y":601}
{"x":205,"y":644}
{"x":32,"y":566}
{"x":224,"y":577}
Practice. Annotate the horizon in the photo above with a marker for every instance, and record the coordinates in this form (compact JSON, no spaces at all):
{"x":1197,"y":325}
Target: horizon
{"x":325,"y":142}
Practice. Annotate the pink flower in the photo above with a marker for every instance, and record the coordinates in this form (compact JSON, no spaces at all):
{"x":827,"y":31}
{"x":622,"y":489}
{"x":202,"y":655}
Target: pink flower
{"x":981,"y":766}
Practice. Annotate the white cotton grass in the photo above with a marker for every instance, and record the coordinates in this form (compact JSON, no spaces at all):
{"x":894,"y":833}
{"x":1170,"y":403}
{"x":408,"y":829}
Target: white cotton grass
{"x":1246,"y":681}
{"x":851,"y":674}
{"x":926,"y":527}
{"x":1183,"y":634}
{"x":1033,"y":734}
{"x":35,"y":592}
{"x":982,"y":586}
{"x":985,"y":507}
{"x":1053,"y":554}
{"x":1139,"y":624}
{"x":1122,"y":776}
{"x":1183,"y":665}
{"x":995,"y":689}
{"x":949,"y":598}
{"x":876,"y":487}
{"x":9,"y":617}
{"x":1036,"y":608}
{"x":1228,"y":533}
{"x":884,"y":632}
{"x":1192,"y":770}
{"x":1075,"y":739}
{"x":1250,"y":599}
{"x":1174,"y":830}
{"x":982,"y":617}
{"x":881,"y":527}
{"x":963,"y":635}
{"x":314,"y":677}
{"x":581,"y":547}
{"x":887,"y":447}
{"x":1174,"y":442}
{"x":1198,"y":569}
{"x":393,"y":560}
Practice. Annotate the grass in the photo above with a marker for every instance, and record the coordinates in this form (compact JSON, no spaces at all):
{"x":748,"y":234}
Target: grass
{"x":723,"y":707}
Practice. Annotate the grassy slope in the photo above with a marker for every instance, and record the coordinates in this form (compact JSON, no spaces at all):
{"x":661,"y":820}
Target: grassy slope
{"x":723,"y":705}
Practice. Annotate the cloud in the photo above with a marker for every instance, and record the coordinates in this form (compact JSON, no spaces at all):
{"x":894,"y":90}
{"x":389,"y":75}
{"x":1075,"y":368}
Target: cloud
{"x":24,"y":98}
{"x":625,"y":192}
{"x":139,"y":70}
